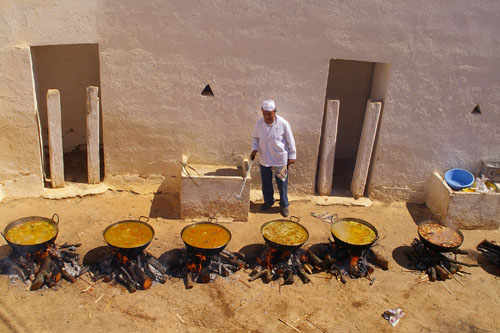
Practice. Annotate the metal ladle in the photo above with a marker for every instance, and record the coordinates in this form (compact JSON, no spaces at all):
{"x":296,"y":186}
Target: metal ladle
{"x":238,"y":196}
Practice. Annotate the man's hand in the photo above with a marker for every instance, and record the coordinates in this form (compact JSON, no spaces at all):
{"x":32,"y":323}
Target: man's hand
{"x":252,"y":154}
{"x":290,"y":162}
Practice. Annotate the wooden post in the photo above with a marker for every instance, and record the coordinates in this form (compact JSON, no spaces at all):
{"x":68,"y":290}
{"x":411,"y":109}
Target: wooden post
{"x":55,"y":138}
{"x":365,"y":149}
{"x":328,"y":143}
{"x":93,"y":169}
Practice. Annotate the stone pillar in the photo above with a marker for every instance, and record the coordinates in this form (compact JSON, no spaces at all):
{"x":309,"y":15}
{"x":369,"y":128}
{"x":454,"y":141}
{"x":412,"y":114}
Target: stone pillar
{"x":93,"y":169}
{"x":328,"y":143}
{"x":365,"y":149}
{"x":55,"y":138}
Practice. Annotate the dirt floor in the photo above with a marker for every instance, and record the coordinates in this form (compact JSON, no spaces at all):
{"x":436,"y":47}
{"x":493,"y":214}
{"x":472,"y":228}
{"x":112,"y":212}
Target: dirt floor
{"x":231,"y":304}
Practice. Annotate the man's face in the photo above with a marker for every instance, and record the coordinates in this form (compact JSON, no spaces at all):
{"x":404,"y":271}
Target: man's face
{"x":269,"y":116}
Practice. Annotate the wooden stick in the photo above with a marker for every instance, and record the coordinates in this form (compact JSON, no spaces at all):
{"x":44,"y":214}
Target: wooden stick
{"x":179,"y":317}
{"x":445,"y":286}
{"x":97,"y":300}
{"x":245,"y":283}
{"x":319,"y":328}
{"x":460,"y":283}
{"x":250,"y":301}
{"x":287,"y":324}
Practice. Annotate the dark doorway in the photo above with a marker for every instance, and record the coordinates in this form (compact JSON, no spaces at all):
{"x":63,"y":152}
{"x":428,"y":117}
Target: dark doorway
{"x":70,"y":69}
{"x":350,"y":82}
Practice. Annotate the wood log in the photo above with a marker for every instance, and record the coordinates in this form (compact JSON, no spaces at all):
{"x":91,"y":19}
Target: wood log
{"x":443,"y":275}
{"x":370,"y":269}
{"x":431,"y":272}
{"x":378,"y":259}
{"x":67,"y":276}
{"x":453,"y":268}
{"x":66,"y":245}
{"x":328,"y":260}
{"x":288,"y":278}
{"x":263,"y":273}
{"x":155,"y":263}
{"x":56,"y":273}
{"x":43,"y":274}
{"x":308,"y":268}
{"x":486,"y":246}
{"x":445,"y":269}
{"x":19,"y":271}
{"x":126,"y":277}
{"x":459,"y":262}
{"x":255,"y":270}
{"x":302,"y":275}
{"x":204,"y":276}
{"x":224,"y":271}
{"x":124,"y":280}
{"x":107,"y":278}
{"x":234,"y":262}
{"x":240,"y":255}
{"x":50,"y":283}
{"x":189,"y":280}
{"x":154,"y":274}
{"x":314,"y":258}
{"x":338,"y":275}
{"x":144,"y":280}
{"x":69,"y":255}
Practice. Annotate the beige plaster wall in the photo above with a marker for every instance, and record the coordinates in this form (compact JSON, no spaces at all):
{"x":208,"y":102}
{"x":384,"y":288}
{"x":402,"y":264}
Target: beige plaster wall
{"x":24,"y":24}
{"x":157,"y":56}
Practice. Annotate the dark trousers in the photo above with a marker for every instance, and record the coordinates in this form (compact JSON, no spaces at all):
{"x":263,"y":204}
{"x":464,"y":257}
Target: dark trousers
{"x":266,"y":173}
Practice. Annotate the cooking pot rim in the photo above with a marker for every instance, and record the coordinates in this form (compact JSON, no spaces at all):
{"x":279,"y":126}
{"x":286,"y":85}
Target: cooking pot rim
{"x":271,"y":242}
{"x":202,"y":248}
{"x":145,"y":244}
{"x":22,"y":220}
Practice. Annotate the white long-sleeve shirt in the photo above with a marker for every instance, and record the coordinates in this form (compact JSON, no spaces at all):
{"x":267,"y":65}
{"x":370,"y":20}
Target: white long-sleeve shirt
{"x":274,"y":142}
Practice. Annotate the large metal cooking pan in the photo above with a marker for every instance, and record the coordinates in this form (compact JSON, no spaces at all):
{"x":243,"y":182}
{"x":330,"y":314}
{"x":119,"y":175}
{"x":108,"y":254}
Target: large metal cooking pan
{"x":130,"y":250}
{"x":25,"y":249}
{"x":439,"y":247}
{"x":201,"y":250}
{"x":284,"y":247}
{"x":344,"y":244}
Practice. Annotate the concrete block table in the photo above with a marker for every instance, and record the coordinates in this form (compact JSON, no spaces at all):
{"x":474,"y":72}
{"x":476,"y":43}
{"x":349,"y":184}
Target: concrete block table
{"x":464,"y":210}
{"x":209,"y":191}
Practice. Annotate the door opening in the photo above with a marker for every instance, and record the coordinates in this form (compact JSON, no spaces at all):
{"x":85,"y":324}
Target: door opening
{"x":70,"y":69}
{"x":351,"y":84}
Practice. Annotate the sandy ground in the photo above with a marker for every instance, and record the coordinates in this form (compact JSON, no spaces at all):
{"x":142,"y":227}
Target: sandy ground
{"x":230,"y":305}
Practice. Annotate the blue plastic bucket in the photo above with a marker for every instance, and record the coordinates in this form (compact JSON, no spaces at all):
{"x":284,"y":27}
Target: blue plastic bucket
{"x":458,"y":179}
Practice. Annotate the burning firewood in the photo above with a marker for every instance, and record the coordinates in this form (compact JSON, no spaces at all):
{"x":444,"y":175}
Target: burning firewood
{"x":134,"y":271}
{"x":492,"y":252}
{"x":45,"y":267}
{"x":193,"y":266}
{"x":437,"y":265}
{"x":342,"y":262}
{"x":281,"y":265}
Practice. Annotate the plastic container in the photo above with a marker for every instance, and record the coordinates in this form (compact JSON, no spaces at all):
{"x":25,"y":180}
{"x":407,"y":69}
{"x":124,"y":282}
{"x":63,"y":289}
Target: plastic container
{"x":458,"y":179}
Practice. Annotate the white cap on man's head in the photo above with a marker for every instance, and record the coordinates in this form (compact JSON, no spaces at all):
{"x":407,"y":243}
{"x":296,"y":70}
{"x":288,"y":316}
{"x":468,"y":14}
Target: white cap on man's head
{"x":268,"y":105}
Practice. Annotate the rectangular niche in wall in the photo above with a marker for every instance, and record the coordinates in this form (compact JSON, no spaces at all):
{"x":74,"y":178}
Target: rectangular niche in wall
{"x":352,"y":87}
{"x":70,"y":69}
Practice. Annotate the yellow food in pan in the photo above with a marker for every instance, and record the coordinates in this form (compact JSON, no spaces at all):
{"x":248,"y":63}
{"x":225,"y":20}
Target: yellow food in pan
{"x":353,"y":232}
{"x":285,"y":233}
{"x":206,"y":236}
{"x":31,"y":233}
{"x":128,"y":235}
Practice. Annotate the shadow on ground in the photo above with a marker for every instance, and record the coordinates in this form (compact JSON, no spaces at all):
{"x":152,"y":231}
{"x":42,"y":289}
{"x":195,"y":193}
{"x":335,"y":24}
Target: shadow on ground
{"x":419,"y":212}
{"x":400,"y":257}
{"x":251,"y":252}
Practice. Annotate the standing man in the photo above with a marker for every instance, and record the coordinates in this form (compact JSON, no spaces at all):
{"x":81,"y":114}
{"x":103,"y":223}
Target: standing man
{"x":273,"y":138}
